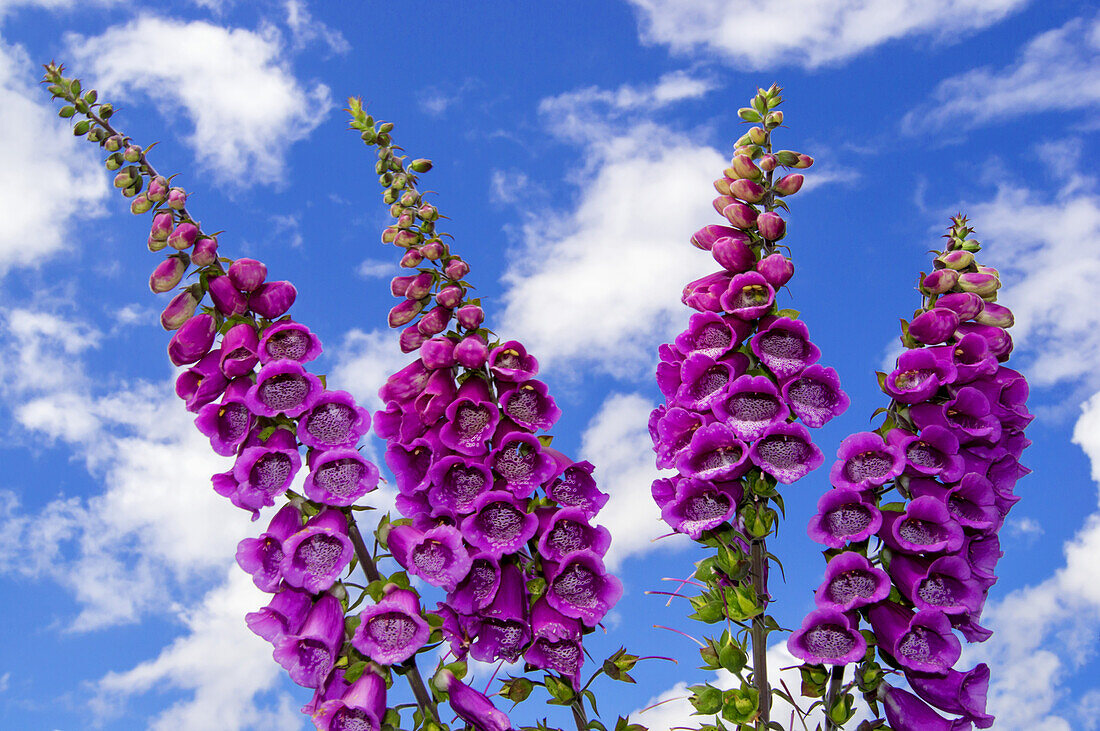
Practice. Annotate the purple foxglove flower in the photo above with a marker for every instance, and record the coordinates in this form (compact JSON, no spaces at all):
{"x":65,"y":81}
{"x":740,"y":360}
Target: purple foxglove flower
{"x":449,"y":297}
{"x":183,"y":236}
{"x":944,"y":583}
{"x":926,"y":526}
{"x":403,"y":313}
{"x":851,"y":582}
{"x":434,"y":322}
{"x":290,"y":340}
{"x":521,"y":464}
{"x":438,"y":394}
{"x":827,"y":637}
{"x":339,"y":477}
{"x":704,"y":381}
{"x":921,"y":642}
{"x":996,"y":315}
{"x":972,"y":358}
{"x":264,"y":470}
{"x":776,"y":268}
{"x":581,"y":588}
{"x":844,"y":515}
{"x":471,"y":706}
{"x":733,"y":254}
{"x":529,"y":405}
{"x":499,"y":524}
{"x":247,"y":274}
{"x":749,"y":406}
{"x":968,"y":415}
{"x":505,"y":629}
{"x":412,"y":258}
{"x":704,"y":294}
{"x":283,"y":387}
{"x":472,"y":352}
{"x":865,"y":460}
{"x":557,"y":644}
{"x":167,"y":274}
{"x":161,"y":227}
{"x":238,"y":352}
{"x":438,"y":353}
{"x":205,"y":252}
{"x":470,"y":422}
{"x":998,"y":339}
{"x":674,"y":431}
{"x":771,"y":226}
{"x":192,"y":340}
{"x":392,"y":630}
{"x":934,"y":326}
{"x":470,"y":316}
{"x":698,"y":505}
{"x":456,"y":482}
{"x":283,"y":615}
{"x":663,"y":490}
{"x":939,"y":281}
{"x":566,"y":530}
{"x":262,"y":557}
{"x":202,"y":383}
{"x":476,"y":591}
{"x":510,"y":362}
{"x":815,"y":396}
{"x":575,"y":488}
{"x":272,"y":299}
{"x":964,"y":304}
{"x":317,"y":554}
{"x":783,"y":345}
{"x":405,"y":384}
{"x":715,"y":453}
{"x":935,"y":452}
{"x":229,"y":423}
{"x":786,"y":452}
{"x":310,"y":654}
{"x":332,"y":689}
{"x":438,"y":555}
{"x":400,"y":285}
{"x":410,"y":462}
{"x":705,"y":237}
{"x":361,"y":707}
{"x":421,"y":286}
{"x":179,"y":310}
{"x":918,"y":376}
{"x":748,"y":296}
{"x":958,"y":259}
{"x":906,"y":711}
{"x":227,"y":298}
{"x":456,"y":269}
{"x":959,"y":693}
{"x":972,"y":502}
{"x":711,"y":335}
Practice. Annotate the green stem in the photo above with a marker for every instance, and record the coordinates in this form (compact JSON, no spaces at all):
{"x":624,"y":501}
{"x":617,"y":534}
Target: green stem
{"x":836,"y":680}
{"x":759,"y":634}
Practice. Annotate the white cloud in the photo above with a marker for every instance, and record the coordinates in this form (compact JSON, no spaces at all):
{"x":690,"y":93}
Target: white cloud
{"x":1058,"y":70}
{"x":234,"y":85}
{"x":53,"y":175}
{"x":371,"y":268}
{"x":808,"y":33}
{"x":306,"y":29}
{"x":363,"y":362}
{"x":617,"y":442}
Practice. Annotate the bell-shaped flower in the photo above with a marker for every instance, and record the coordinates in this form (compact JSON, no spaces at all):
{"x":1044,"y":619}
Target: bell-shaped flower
{"x":238,"y":354}
{"x":786,"y":452}
{"x":749,"y":406}
{"x":529,"y":405}
{"x":844,"y":515}
{"x":192,"y":340}
{"x":827,"y":637}
{"x":674,"y":430}
{"x":226,"y":298}
{"x":748,"y":296}
{"x":272,"y":299}
{"x":997,"y":338}
{"x":704,"y":293}
{"x":471,"y":706}
{"x":505,"y":630}
{"x":566,"y":530}
{"x":521,"y":464}
{"x":971,"y":502}
{"x":580,"y":587}
{"x":310,"y":654}
{"x":576,"y":488}
{"x":265,"y":468}
{"x":733,"y":253}
{"x":944,"y":583}
{"x":557,"y":644}
{"x":922,"y":642}
{"x":283,"y":615}
{"x":477,"y":589}
{"x":712,"y":335}
{"x":361,"y":707}
{"x":201,"y":383}
{"x":470,"y":423}
{"x":510,"y":362}
{"x":339,"y":477}
{"x":437,"y":555}
{"x":405,"y":384}
{"x":905,"y":711}
{"x":334,"y":421}
{"x":715,"y":453}
{"x":962,"y":694}
{"x":247,"y":274}
{"x":933,"y":453}
{"x":926,"y":526}
{"x":815,"y":396}
{"x":411,"y":462}
{"x":499,"y":523}
{"x":283,"y":387}
{"x":918,"y":376}
{"x":439,"y":392}
{"x":783,"y":346}
{"x":392,"y":630}
{"x":262,"y":557}
{"x":851,"y":582}
{"x":705,"y":237}
{"x":865,"y":460}
{"x":456,"y":482}
{"x":318,"y":553}
{"x":971,"y":357}
{"x":703,"y":381}
{"x":967,"y":415}
{"x":288,"y":340}
{"x":699,"y":505}
{"x":934,"y":326}
{"x":966,"y":305}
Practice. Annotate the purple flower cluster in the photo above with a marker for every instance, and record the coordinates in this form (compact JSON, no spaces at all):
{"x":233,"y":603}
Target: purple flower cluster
{"x":950,"y":445}
{"x":741,"y":374}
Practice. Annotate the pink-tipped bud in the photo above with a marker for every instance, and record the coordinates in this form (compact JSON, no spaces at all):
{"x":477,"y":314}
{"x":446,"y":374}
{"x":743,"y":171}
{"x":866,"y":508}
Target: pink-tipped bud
{"x":403,"y":312}
{"x":743,"y":167}
{"x":406,"y":239}
{"x":740,"y":215}
{"x":167,"y":274}
{"x":427,"y":212}
{"x":776,"y":269}
{"x":789,"y":184}
{"x":272,"y":299}
{"x":183,"y":236}
{"x":205,"y":252}
{"x":156,"y":244}
{"x":939,"y":281}
{"x":389,"y":234}
{"x":768,"y":163}
{"x":433,"y":250}
{"x":411,"y":259}
{"x":722,"y":201}
{"x":771,"y":226}
{"x":420,"y":286}
{"x":456,"y":269}
{"x":113,"y":143}
{"x":158,"y":189}
{"x":804,"y":161}
{"x":132,"y":153}
{"x":722,"y":185}
{"x":247,"y":274}
{"x":162,"y":226}
{"x":435,"y":321}
{"x":957,"y":259}
{"x":757,"y":135}
{"x":471,"y":352}
{"x":179,"y":310}
{"x":996,"y":315}
{"x":470,"y":316}
{"x":747,"y":190}
{"x":140,"y":205}
{"x":410,"y":339}
{"x":705,"y":237}
{"x":177,"y":199}
{"x":733,"y":253}
{"x":227,"y":298}
{"x":400,"y":285}
{"x":450,"y":296}
{"x":405,"y":221}
{"x":438,"y":353}
{"x":982,"y":284}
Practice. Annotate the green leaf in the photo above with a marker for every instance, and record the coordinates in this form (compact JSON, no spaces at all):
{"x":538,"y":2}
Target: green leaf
{"x":355,"y":671}
{"x":706,"y":699}
{"x":560,"y":691}
{"x":546,"y":439}
{"x":788,"y":313}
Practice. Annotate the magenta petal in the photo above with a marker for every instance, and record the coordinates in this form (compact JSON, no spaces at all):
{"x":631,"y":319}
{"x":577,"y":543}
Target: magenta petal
{"x":815,"y":396}
{"x":392,"y":630}
{"x":827,"y":636}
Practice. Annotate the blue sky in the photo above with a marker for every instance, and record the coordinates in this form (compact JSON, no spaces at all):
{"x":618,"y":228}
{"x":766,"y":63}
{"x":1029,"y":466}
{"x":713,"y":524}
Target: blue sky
{"x":574,"y":147}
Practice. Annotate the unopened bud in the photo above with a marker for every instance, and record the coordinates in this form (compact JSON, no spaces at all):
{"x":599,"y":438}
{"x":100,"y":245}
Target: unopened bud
{"x":776,"y":269}
{"x":957,"y":259}
{"x":733,"y":253}
{"x":132,"y":153}
{"x":179,"y":310}
{"x":747,"y":190}
{"x":158,"y":189}
{"x":272,"y":299}
{"x":456,"y":269}
{"x":997,"y":315}
{"x":410,"y":339}
{"x":428,"y":212}
{"x":744,"y":167}
{"x":722,"y":185}
{"x":740,"y":215}
{"x":167,"y":274}
{"x":939,"y":281}
{"x":400,"y":285}
{"x":768,"y":163}
{"x":127,"y":176}
{"x":140,"y":205}
{"x":247,"y":274}
{"x":406,"y":239}
{"x":433,"y":250}
{"x":789,"y":184}
{"x":389,"y":234}
{"x":471,"y":351}
{"x":771,"y":226}
{"x":411,"y":259}
{"x":773,"y":119}
{"x":982,"y":284}
{"x":177,"y":199}
{"x":205,"y":252}
{"x":162,"y":226}
{"x":403,"y":312}
{"x":438,"y":353}
{"x":409,"y":198}
{"x":450,"y":296}
{"x":113,"y":143}
{"x":970,"y":245}
{"x":757,"y":135}
{"x":421,"y":166}
{"x":405,"y":221}
{"x":227,"y":298}
{"x":435,"y":321}
{"x":183,"y":236}
{"x":470,"y":316}
{"x":133,"y":189}
{"x":420,"y":286}
{"x":113,"y":162}
{"x":804,"y":161}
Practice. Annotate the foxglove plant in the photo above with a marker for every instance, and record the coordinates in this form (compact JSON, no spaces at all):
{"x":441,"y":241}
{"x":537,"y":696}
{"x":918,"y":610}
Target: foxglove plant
{"x":255,"y":400}
{"x":949,"y":447}
{"x":493,"y":515}
{"x":736,"y":382}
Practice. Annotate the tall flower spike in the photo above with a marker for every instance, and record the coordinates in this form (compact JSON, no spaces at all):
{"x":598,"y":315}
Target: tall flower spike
{"x":949,"y":447}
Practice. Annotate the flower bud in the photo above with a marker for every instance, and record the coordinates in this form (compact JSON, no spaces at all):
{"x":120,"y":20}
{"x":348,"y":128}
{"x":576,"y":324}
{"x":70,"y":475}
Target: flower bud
{"x":411,"y":259}
{"x":776,"y":269}
{"x":456,"y":269}
{"x":934,"y":326}
{"x":113,"y":162}
{"x":987,"y":270}
{"x":733,"y":253}
{"x":162,"y":226}
{"x":192,"y":340}
{"x":179,"y":310}
{"x":132,"y":153}
{"x":177,"y":199}
{"x":403,"y":312}
{"x":471,"y":352}
{"x":774,"y":119}
{"x":183,"y":236}
{"x":405,"y":221}
{"x":167,"y":274}
{"x":399,"y":285}
{"x":433,"y":250}
{"x":450,"y":296}
{"x":438,"y":353}
{"x":768,"y":163}
{"x":205,"y":252}
{"x":227,"y":298}
{"x":996,"y":315}
{"x":970,"y":245}
{"x":389,"y":234}
{"x":747,"y":190}
{"x":113,"y":144}
{"x":939,"y":281}
{"x":406,"y":239}
{"x":435,"y":321}
{"x":410,"y":339}
{"x":705,"y":237}
{"x":158,"y":189}
{"x":722,"y":185}
{"x":272,"y":299}
{"x":140,"y":205}
{"x":722,"y":201}
{"x":743,"y":167}
{"x":804,"y":161}
{"x":789,"y":184}
{"x":771,"y":226}
{"x":421,"y":165}
{"x":470,"y":316}
{"x":420,"y":286}
{"x":133,"y":189}
{"x":247,"y":274}
{"x":126,"y":177}
{"x":982,"y":284}
{"x":956,"y":259}
{"x":757,"y":135}
{"x":740,"y":215}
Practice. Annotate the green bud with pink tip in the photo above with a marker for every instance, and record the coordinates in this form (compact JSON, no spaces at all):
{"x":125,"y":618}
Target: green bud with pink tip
{"x":957,"y":259}
{"x":789,"y":184}
{"x":743,"y":167}
{"x":132,"y":153}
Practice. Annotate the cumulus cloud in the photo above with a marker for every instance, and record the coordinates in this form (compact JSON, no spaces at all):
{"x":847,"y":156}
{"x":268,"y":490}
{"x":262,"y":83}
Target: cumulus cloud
{"x":233,"y":85}
{"x":808,"y":33}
